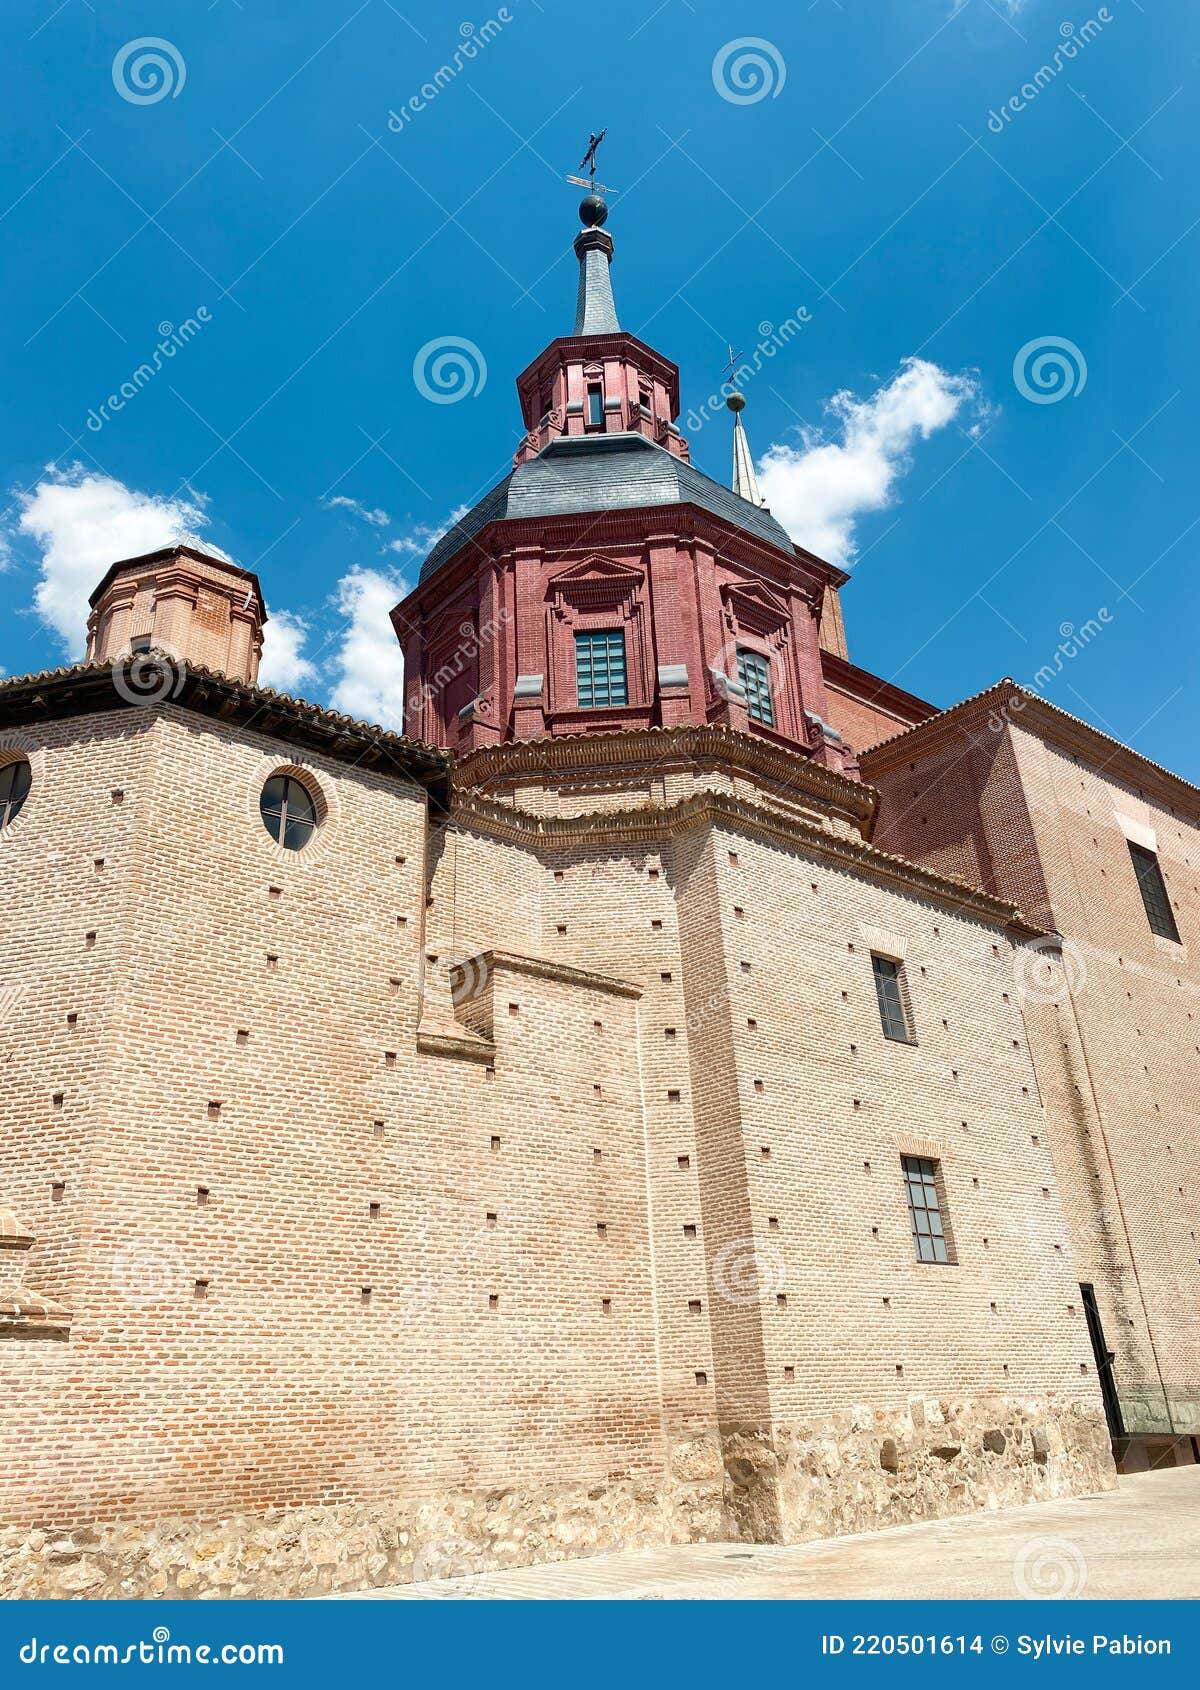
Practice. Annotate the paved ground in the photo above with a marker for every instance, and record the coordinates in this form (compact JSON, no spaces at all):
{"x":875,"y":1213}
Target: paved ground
{"x":1141,"y":1540}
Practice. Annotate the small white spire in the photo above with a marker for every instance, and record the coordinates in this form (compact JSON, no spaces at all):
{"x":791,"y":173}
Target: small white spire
{"x":745,"y":482}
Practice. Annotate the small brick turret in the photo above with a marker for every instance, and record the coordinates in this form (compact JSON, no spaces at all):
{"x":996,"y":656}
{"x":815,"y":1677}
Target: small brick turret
{"x":199,"y":608}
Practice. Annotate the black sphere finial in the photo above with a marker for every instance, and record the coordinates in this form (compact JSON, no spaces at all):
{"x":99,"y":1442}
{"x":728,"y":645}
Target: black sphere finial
{"x":736,"y":401}
{"x":593,"y":211}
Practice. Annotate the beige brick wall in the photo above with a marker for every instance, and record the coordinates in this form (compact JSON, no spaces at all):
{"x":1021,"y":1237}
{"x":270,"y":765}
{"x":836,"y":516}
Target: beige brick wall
{"x":1137,"y":1034}
{"x":1034,"y":815}
{"x":598,"y":1172}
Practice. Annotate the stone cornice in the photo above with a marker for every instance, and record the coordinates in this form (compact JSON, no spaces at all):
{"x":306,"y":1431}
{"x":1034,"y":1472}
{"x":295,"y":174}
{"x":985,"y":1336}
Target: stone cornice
{"x":591,"y":531}
{"x":84,"y":688}
{"x":543,"y":968}
{"x":223,"y":565}
{"x":788,"y":772}
{"x":1016,"y":705}
{"x":652,"y":822}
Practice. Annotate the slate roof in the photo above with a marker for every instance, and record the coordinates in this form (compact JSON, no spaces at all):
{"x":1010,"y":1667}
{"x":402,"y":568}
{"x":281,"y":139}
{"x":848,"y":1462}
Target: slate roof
{"x":603,"y":473}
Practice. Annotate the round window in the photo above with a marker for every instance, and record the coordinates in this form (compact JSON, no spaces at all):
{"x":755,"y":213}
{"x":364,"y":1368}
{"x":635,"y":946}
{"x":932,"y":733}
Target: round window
{"x":288,"y":812}
{"x":14,"y":788}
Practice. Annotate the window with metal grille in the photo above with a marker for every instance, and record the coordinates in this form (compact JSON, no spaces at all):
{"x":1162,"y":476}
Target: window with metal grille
{"x":1153,"y":888}
{"x":891,"y":989}
{"x":925,"y":1209}
{"x":600,"y":668}
{"x":595,"y":407}
{"x":14,"y":788}
{"x":288,"y":812}
{"x":754,"y":672}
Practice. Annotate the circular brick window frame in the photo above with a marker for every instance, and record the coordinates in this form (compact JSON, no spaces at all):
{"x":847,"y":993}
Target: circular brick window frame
{"x":16,"y":748}
{"x":325,"y":809}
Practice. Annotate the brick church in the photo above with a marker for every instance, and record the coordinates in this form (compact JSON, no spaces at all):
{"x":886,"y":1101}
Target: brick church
{"x":683,"y":1088}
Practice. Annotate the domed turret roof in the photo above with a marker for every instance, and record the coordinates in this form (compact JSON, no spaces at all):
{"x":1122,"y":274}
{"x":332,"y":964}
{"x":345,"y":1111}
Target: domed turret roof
{"x":604,"y":472}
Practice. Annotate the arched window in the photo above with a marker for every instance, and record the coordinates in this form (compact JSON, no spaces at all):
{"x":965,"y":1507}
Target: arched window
{"x":288,"y":812}
{"x":14,"y":788}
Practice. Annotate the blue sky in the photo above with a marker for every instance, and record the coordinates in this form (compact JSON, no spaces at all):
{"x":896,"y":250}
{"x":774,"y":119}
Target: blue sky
{"x":871,"y":180}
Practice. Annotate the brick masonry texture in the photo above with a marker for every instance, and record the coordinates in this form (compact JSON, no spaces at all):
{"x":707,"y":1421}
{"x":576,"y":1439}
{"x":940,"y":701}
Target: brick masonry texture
{"x":501,"y":1188}
{"x":1030,"y":805}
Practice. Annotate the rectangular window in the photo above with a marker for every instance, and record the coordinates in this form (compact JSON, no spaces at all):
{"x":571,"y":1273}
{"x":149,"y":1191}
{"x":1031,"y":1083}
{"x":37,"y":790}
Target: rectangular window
{"x":600,"y":668}
{"x":925,"y":1210}
{"x":595,"y":407}
{"x":891,"y":989}
{"x":1153,"y":888}
{"x":754,"y":672}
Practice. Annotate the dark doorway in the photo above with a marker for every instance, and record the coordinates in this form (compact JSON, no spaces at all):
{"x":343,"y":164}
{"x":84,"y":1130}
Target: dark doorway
{"x":1104,"y":1363}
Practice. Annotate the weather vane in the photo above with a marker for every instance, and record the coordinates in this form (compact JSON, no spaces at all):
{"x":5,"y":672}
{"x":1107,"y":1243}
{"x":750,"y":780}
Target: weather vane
{"x":588,"y":163}
{"x":734,"y":358}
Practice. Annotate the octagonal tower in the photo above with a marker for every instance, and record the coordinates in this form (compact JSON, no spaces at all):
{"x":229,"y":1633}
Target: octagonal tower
{"x":606,"y":583}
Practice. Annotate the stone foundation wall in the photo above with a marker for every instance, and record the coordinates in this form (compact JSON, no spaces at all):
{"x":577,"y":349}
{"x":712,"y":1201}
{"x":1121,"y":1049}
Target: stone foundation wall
{"x":866,"y":1469}
{"x":861,"y":1469}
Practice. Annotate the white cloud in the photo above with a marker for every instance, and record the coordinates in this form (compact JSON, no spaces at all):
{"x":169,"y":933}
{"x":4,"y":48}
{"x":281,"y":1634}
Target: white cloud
{"x":283,"y":664}
{"x":369,"y":662}
{"x":422,"y":537}
{"x":377,"y":518}
{"x":84,"y":521}
{"x":820,"y":489}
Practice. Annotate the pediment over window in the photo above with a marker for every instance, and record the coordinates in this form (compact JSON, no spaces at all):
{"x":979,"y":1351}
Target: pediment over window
{"x":595,"y":580}
{"x":751,"y":605}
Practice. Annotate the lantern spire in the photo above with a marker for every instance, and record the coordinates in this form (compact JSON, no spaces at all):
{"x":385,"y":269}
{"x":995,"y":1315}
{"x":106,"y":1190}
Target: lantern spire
{"x":745,"y":482}
{"x":595,"y":312}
